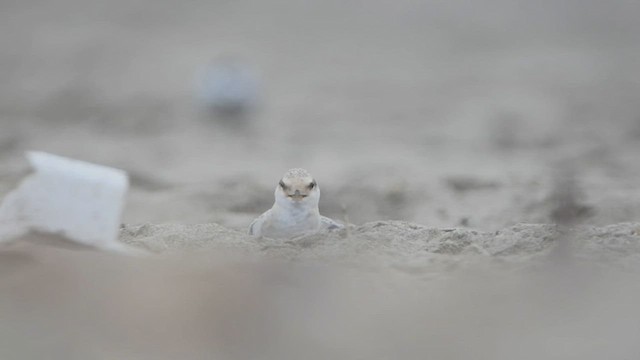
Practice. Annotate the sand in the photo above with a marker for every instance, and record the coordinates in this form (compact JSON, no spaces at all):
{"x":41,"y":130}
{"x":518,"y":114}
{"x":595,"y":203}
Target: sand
{"x":484,"y":155}
{"x":381,"y":290}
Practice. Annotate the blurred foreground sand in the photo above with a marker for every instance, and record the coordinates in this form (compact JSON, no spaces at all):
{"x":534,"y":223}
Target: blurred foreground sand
{"x":387,"y":290}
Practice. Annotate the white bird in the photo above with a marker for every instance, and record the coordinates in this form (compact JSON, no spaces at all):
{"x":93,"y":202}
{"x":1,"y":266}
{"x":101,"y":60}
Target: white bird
{"x":295,"y":211}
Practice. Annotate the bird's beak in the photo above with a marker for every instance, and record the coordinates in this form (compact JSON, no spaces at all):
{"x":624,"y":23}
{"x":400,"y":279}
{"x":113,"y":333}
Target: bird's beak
{"x":297,"y":195}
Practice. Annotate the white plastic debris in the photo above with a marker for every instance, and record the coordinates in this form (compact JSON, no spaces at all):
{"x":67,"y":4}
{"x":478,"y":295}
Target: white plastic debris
{"x":78,"y":200}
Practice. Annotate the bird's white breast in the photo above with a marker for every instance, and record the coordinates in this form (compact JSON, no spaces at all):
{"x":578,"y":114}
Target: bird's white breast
{"x":291,"y":221}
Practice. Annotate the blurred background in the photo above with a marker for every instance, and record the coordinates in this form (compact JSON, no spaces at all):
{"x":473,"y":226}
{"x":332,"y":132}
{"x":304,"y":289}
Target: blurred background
{"x":443,"y":113}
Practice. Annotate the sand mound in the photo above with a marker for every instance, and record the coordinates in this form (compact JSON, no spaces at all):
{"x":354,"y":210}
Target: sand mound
{"x":393,"y":242}
{"x":163,"y":237}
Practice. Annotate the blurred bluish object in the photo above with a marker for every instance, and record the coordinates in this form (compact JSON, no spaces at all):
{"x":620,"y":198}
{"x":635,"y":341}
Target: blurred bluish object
{"x":228,"y":87}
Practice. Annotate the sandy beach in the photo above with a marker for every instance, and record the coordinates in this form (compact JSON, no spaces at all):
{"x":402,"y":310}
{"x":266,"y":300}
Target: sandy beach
{"x":485,"y":157}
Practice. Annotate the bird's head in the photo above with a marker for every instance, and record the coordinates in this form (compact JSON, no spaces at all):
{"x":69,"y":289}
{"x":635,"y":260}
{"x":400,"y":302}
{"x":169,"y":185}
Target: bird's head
{"x":297,"y":187}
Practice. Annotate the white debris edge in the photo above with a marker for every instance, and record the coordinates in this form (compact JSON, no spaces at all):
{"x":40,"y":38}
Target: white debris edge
{"x":81,"y":201}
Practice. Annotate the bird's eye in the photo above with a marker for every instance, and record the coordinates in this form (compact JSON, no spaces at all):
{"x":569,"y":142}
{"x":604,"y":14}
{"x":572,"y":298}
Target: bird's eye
{"x":282,"y":185}
{"x":312,"y":185}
